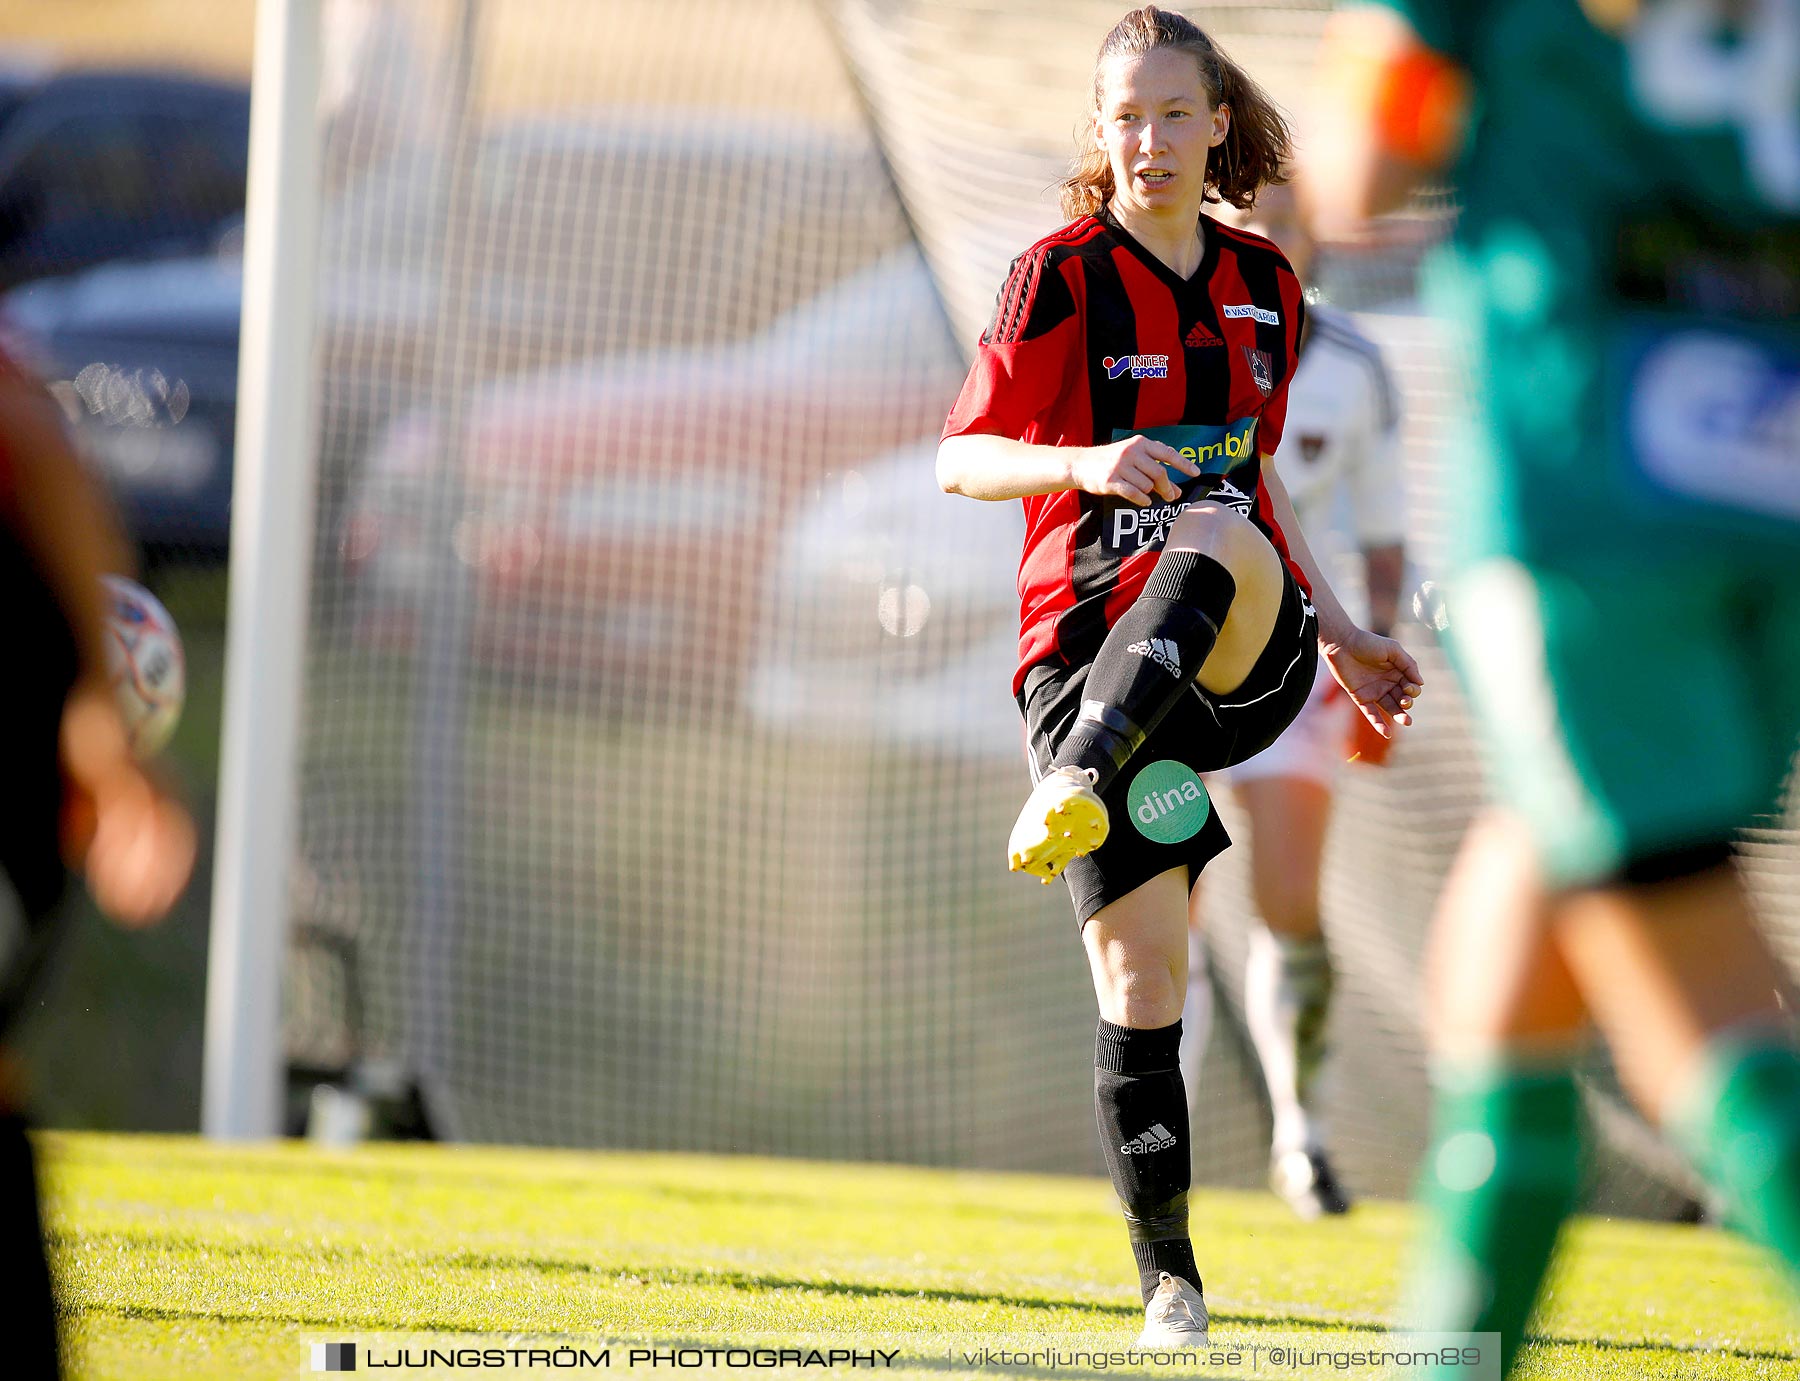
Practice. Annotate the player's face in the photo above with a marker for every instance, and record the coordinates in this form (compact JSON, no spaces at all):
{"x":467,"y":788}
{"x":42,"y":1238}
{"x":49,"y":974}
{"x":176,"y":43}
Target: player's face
{"x":1157,"y":127}
{"x":1276,"y":216}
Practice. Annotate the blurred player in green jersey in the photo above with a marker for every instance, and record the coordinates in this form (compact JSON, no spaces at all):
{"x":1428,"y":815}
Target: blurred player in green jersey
{"x":1623,"y":609}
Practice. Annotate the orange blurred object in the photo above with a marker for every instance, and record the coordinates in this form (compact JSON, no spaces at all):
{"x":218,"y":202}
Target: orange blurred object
{"x":1363,"y":745}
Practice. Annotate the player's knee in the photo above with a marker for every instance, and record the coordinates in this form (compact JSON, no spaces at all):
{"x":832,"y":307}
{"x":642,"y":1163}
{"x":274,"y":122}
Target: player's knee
{"x":1144,"y":995}
{"x":1208,"y":526}
{"x":1230,"y":539}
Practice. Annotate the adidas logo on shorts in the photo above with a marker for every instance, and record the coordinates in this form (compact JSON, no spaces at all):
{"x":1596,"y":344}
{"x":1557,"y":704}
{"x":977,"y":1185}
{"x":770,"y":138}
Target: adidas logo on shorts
{"x":1158,"y":1138}
{"x":1161,"y":651}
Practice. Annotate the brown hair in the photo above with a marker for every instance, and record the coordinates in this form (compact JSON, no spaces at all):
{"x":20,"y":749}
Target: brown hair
{"x":1257,"y":146}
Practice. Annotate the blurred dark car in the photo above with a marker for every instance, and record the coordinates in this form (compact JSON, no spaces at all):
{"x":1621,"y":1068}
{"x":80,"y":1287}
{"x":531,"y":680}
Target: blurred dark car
{"x":561,"y":242}
{"x":143,"y":358}
{"x":99,"y":165}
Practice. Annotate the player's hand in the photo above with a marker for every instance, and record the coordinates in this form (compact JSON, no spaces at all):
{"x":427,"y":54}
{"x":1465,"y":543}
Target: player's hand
{"x":1131,"y":469}
{"x":141,"y":852}
{"x":1378,"y":674}
{"x":121,"y":827}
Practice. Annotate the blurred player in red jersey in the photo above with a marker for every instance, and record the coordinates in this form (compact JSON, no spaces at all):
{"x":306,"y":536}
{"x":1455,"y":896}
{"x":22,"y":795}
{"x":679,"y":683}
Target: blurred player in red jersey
{"x":75,"y":795}
{"x":1341,"y":466}
{"x":1132,"y":390}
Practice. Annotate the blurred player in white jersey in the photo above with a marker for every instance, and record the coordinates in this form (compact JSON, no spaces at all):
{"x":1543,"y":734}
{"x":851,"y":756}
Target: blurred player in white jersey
{"x":1343,"y":472}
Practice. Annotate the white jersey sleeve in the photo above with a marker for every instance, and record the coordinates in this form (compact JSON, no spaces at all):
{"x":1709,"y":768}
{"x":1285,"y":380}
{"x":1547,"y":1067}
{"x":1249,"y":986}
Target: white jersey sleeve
{"x":1340,"y":455}
{"x":1372,"y":471}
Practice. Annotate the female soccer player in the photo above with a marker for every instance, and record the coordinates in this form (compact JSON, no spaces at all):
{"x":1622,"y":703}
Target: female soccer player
{"x":1623,"y":609}
{"x":1131,"y":390}
{"x":1344,"y":480}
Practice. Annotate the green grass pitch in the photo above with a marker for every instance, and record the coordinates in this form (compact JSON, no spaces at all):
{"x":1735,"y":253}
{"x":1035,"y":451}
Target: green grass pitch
{"x":184,"y":1259}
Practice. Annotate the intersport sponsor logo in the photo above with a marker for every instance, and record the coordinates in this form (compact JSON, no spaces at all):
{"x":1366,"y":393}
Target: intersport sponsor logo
{"x":1139,"y":366}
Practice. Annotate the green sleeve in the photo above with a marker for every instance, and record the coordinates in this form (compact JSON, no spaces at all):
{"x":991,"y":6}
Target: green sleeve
{"x":1445,"y":26}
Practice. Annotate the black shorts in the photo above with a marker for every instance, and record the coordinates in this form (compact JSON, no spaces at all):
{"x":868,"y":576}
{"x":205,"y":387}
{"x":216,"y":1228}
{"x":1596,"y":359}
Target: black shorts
{"x":1160,"y":813}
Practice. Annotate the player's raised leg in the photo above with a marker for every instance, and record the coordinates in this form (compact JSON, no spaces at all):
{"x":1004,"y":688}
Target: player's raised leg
{"x":1205,"y":614}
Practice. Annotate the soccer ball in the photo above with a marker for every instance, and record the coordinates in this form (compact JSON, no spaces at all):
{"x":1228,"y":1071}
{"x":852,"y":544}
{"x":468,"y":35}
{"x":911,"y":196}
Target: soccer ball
{"x":144,"y":658}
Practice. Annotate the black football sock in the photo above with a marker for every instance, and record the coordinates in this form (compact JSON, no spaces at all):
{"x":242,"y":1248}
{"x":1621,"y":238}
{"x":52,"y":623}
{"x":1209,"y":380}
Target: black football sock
{"x":1148,"y":661}
{"x":31,"y":1339}
{"x":1141,"y":1106}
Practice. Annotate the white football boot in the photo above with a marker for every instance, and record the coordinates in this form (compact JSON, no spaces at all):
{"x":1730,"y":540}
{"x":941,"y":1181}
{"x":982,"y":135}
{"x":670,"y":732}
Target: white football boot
{"x":1175,"y":1318}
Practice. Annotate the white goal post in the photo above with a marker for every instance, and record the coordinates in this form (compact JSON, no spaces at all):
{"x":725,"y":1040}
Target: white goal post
{"x":271,"y":546}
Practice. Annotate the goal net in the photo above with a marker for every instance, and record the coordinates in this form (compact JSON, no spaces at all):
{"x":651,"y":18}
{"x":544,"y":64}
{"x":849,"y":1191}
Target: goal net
{"x":658,"y":753}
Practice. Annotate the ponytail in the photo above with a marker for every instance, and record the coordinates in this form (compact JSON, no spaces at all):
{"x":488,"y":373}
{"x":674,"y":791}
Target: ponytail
{"x":1258,"y":144}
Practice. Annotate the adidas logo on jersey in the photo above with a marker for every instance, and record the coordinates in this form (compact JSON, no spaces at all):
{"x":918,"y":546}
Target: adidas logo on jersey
{"x":1199,"y":337}
{"x":1158,"y":1138}
{"x":1161,"y":651}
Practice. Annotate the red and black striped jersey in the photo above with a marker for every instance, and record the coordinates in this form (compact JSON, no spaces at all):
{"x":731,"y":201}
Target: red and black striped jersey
{"x":1094,"y":339}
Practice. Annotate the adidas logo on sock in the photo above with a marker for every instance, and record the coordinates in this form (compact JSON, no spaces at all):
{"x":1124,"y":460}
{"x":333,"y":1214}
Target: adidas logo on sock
{"x":1158,"y":1138}
{"x":1161,"y":651}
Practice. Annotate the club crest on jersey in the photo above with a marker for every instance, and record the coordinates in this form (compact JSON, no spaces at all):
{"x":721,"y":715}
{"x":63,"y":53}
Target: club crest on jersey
{"x":1310,"y":448}
{"x":1140,"y":366}
{"x":1239,"y":310}
{"x":1262,"y":369}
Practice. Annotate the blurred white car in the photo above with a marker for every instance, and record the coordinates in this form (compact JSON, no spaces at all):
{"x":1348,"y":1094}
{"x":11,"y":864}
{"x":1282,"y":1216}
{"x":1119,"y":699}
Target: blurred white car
{"x":615,"y":515}
{"x":892,"y":615}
